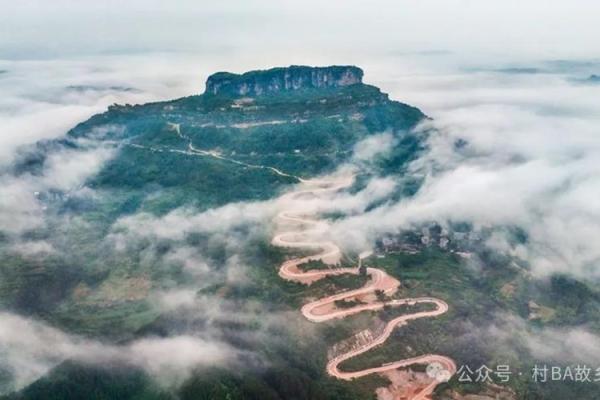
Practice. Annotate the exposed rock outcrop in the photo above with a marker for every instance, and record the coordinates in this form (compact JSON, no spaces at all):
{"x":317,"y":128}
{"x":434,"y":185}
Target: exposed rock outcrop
{"x":257,"y":83}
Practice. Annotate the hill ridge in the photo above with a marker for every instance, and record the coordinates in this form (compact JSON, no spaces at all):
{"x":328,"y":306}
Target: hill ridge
{"x":295,"y":77}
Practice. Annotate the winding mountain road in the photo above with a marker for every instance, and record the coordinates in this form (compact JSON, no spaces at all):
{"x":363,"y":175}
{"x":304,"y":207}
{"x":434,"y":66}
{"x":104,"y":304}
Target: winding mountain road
{"x":308,"y":235}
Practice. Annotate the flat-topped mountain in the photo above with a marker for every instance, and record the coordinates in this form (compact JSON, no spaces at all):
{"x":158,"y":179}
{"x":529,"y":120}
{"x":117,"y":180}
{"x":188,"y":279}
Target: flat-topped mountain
{"x":223,"y":145}
{"x":200,"y":152}
{"x":256,"y":83}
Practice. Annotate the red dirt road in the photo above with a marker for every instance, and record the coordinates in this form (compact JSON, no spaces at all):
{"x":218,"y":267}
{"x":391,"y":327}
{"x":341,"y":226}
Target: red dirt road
{"x":308,"y":236}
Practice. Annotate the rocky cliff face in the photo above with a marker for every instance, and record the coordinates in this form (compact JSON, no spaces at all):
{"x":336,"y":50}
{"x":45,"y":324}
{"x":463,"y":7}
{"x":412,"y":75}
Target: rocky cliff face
{"x":256,"y":83}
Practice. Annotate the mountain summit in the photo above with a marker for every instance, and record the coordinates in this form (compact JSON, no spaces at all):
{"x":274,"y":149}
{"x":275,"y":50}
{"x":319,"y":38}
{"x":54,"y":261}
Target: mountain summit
{"x":295,"y":77}
{"x":229,"y":143}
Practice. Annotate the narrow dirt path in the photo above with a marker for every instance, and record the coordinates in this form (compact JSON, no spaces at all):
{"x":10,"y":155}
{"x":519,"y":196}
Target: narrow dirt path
{"x":307,"y":235}
{"x":209,"y":153}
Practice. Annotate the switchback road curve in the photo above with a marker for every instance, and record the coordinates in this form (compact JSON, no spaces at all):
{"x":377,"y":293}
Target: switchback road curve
{"x":307,"y":235}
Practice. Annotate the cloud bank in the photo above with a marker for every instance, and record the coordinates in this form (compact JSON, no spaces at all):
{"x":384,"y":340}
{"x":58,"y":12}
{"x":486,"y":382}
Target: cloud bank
{"x":508,"y":151}
{"x":31,"y":348}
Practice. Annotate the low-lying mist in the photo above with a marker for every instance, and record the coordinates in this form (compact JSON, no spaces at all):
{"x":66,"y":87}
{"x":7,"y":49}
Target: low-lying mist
{"x":504,"y":150}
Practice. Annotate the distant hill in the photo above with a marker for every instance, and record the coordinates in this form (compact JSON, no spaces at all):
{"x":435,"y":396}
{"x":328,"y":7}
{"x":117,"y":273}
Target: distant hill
{"x":594,"y":79}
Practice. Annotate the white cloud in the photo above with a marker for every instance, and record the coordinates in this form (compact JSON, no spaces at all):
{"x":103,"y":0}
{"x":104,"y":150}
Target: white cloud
{"x":373,"y":146}
{"x":182,"y":221}
{"x":177,"y":355}
{"x":563,"y":345}
{"x":29,"y":348}
{"x":22,"y":208}
{"x":68,"y":169}
{"x":44,"y":99}
{"x":531,"y":162}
